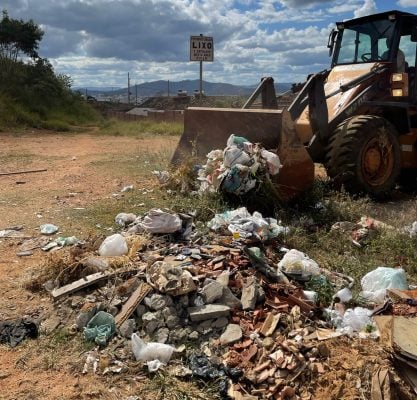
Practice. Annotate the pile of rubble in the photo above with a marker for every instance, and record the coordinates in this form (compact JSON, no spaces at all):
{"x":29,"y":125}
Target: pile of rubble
{"x":237,"y":294}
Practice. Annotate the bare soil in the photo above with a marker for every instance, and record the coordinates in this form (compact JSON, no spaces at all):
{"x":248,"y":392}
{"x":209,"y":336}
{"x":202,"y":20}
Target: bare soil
{"x":82,"y":170}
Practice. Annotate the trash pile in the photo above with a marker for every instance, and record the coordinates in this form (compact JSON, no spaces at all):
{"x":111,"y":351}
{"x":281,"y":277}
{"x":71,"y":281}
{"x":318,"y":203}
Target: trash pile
{"x":247,"y":303}
{"x":238,"y":168}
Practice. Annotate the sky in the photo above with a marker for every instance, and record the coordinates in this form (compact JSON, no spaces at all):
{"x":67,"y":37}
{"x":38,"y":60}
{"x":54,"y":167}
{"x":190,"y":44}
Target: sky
{"x":98,"y":42}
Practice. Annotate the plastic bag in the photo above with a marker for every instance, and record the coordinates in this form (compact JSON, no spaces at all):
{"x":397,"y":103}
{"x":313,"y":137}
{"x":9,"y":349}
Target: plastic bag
{"x":297,"y":262}
{"x":158,"y":221}
{"x":151,"y":351}
{"x":124,"y":219}
{"x":237,"y":141}
{"x":234,"y":155}
{"x":48,"y":229}
{"x":272,"y":161}
{"x":344,"y":295}
{"x":375,"y":283}
{"x":114,"y":245}
{"x":100,"y":328}
{"x":356,"y":318}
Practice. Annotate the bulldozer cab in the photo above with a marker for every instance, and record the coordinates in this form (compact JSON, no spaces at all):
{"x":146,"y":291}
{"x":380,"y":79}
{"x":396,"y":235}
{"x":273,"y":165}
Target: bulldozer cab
{"x":382,"y":38}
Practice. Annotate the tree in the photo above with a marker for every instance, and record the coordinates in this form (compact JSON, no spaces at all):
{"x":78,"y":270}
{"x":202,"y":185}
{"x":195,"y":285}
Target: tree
{"x":18,"y":38}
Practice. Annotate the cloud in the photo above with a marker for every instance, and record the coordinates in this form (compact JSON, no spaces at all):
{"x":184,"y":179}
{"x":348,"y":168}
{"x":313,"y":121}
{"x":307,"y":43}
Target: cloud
{"x":99,"y":41}
{"x":368,"y":8}
{"x":406,"y":3}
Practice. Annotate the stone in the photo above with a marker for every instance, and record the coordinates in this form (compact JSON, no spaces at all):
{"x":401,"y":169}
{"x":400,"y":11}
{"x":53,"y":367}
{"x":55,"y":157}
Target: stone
{"x":77,"y":301}
{"x":205,"y":326}
{"x":220,"y":322}
{"x":183,"y":300}
{"x":169,"y":312}
{"x":193,"y":335}
{"x":232,"y":334}
{"x":223,"y":278}
{"x":112,"y":310}
{"x":50,"y":324}
{"x":229,"y":299}
{"x":156,"y":302}
{"x":172,"y":321}
{"x":152,"y":321}
{"x":127,"y":328}
{"x":249,"y":294}
{"x":179,"y":335}
{"x":162,"y":335}
{"x":270,"y":324}
{"x":268,"y":343}
{"x":209,"y":311}
{"x":140,"y":310}
{"x":211,"y":292}
{"x":88,"y":310}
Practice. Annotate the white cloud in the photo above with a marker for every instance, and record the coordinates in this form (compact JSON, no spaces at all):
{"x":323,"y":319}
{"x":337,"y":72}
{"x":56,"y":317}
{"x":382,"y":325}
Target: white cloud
{"x":406,"y":3}
{"x":368,"y":8}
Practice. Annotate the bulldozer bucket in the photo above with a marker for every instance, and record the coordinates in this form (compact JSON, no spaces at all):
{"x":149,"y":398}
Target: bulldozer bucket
{"x":206,"y":129}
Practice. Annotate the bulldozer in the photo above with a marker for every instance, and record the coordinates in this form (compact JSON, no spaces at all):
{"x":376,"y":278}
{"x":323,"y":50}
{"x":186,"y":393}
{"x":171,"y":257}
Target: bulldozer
{"x":358,"y":118}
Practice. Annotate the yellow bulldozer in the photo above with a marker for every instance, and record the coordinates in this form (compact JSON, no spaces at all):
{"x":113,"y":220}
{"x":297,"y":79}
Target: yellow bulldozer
{"x":358,"y":118}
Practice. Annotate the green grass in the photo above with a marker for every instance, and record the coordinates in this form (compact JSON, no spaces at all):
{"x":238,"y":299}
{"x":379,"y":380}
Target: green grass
{"x":140,"y":128}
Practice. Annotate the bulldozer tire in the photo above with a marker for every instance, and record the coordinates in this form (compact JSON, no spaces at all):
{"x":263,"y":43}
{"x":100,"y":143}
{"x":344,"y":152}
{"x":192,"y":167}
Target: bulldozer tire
{"x":364,"y":156}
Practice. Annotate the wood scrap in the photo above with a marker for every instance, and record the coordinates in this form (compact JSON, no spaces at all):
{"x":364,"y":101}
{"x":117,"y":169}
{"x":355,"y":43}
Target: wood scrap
{"x":80,"y":284}
{"x":30,"y":171}
{"x":137,"y":296}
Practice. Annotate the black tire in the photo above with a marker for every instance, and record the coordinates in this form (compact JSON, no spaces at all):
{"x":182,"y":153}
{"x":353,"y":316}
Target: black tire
{"x":364,"y":156}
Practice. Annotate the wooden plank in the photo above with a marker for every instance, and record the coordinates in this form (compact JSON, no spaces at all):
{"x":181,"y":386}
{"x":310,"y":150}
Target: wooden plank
{"x":137,"y":296}
{"x":80,"y":284}
{"x":31,"y":171}
{"x":404,"y":338}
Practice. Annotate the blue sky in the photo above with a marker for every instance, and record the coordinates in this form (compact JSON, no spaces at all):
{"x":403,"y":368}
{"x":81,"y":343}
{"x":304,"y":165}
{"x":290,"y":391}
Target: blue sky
{"x":97,"y":42}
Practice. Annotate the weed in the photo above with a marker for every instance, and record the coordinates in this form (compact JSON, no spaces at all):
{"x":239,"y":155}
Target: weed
{"x":140,"y":129}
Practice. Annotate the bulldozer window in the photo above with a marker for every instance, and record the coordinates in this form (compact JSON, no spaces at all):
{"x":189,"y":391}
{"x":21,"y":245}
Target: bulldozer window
{"x":365,"y":42}
{"x":409,"y":49}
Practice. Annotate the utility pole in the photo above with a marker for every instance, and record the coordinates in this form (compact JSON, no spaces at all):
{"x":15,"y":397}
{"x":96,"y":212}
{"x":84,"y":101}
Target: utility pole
{"x":168,"y":87}
{"x":128,"y":88}
{"x":201,"y":76}
{"x":136,"y":93}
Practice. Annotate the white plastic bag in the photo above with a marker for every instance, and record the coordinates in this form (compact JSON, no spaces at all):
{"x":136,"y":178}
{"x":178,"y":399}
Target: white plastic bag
{"x":272,"y":161}
{"x":124,"y":219}
{"x":344,"y":295}
{"x":296,"y":261}
{"x":234,"y":155}
{"x":158,"y":221}
{"x":151,"y":351}
{"x":114,"y":245}
{"x":357,"y":318}
{"x":375,"y":283}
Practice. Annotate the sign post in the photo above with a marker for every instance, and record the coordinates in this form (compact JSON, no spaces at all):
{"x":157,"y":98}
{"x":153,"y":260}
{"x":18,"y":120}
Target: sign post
{"x":201,"y":49}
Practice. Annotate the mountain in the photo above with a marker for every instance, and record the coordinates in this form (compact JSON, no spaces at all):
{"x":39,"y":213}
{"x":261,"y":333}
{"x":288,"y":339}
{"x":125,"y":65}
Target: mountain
{"x":160,"y":88}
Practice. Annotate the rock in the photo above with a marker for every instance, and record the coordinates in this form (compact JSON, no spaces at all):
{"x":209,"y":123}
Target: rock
{"x":96,"y":263}
{"x":152,"y":321}
{"x":172,"y":321}
{"x":76,"y":301}
{"x":183,"y":300}
{"x":156,"y":302}
{"x":249,"y":294}
{"x":193,"y":335}
{"x":229,"y":299}
{"x":140,"y":310}
{"x":268,"y":342}
{"x":88,"y":310}
{"x":162,"y":335}
{"x":211,"y":292}
{"x":127,"y":328}
{"x":223,"y":278}
{"x":232,"y":334}
{"x":112,"y":310}
{"x":220,"y":322}
{"x":179,"y":335}
{"x":50,"y":324}
{"x":169,"y":312}
{"x":208,"y":311}
{"x":205,"y":327}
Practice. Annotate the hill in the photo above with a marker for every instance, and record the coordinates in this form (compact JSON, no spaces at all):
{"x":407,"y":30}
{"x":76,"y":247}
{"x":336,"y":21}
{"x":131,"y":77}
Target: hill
{"x":161,"y":88}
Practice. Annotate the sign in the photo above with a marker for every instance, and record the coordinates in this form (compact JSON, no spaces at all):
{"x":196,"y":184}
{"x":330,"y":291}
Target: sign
{"x":201,"y":48}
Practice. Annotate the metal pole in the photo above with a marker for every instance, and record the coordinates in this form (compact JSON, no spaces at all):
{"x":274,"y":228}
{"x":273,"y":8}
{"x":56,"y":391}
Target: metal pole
{"x":168,"y":87}
{"x":136,"y":93}
{"x":201,"y":79}
{"x":128,"y":88}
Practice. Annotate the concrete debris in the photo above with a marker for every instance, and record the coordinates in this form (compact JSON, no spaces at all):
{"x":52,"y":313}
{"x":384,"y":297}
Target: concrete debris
{"x":255,"y":315}
{"x":232,"y":334}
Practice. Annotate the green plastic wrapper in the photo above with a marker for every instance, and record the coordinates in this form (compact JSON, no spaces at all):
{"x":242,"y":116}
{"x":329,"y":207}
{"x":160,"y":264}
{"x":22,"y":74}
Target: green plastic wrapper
{"x":100,"y":328}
